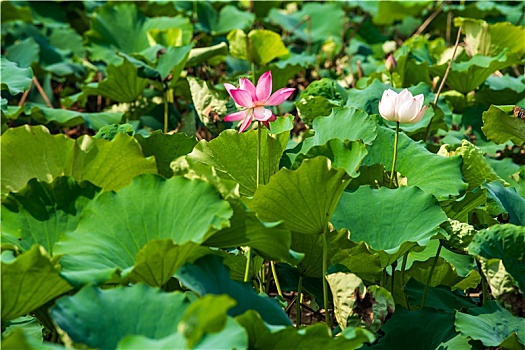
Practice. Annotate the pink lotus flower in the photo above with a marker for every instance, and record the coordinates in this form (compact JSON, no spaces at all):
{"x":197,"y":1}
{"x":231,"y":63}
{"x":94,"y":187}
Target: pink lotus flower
{"x":254,"y":98}
{"x":402,"y":107}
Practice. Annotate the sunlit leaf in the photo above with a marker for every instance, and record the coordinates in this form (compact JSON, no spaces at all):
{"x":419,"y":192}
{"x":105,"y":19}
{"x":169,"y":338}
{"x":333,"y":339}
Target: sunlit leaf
{"x":304,"y":199}
{"x":30,"y":281}
{"x":500,"y":127}
{"x":378,"y":218}
{"x":29,"y":152}
{"x":505,"y":242}
{"x":14,"y":79}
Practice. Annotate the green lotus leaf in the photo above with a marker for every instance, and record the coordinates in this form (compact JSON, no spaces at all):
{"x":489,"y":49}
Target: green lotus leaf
{"x":459,"y":209}
{"x":230,"y":18}
{"x":195,"y":214}
{"x":159,"y":314}
{"x":505,"y":242}
{"x":493,"y":325}
{"x":510,"y":172}
{"x":318,"y":100}
{"x":466,"y":76}
{"x":234,"y":157}
{"x":444,"y":275}
{"x":109,"y":132}
{"x":438,"y":298}
{"x":18,"y":339}
{"x":389,"y":12}
{"x":260,"y":46}
{"x":158,"y":260}
{"x":500,"y":127}
{"x":270,"y":240}
{"x":315,"y":336}
{"x":441,"y":176}
{"x":287,"y":68}
{"x":166,"y":148}
{"x":109,"y":22}
{"x":209,"y":106}
{"x":122,"y":83}
{"x":376,"y":217}
{"x":232,"y":336}
{"x":41,"y":212}
{"x":304,"y":199}
{"x":205,"y":315}
{"x":32,"y":152}
{"x":27,"y":325}
{"x":24,"y":53}
{"x":14,"y":79}
{"x":346,"y":155}
{"x":352,"y":300}
{"x":208,"y":275}
{"x":66,"y":117}
{"x":423,"y":328}
{"x":343,"y":124}
{"x":498,"y":279}
{"x":506,"y":90}
{"x":203,"y":54}
{"x":475,"y":167}
{"x":326,"y":20}
{"x":503,"y":200}
{"x":461,"y":234}
{"x":490,"y":39}
{"x":30,"y":281}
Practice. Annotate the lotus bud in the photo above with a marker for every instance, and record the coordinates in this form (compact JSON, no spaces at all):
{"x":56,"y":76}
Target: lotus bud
{"x":390,"y":63}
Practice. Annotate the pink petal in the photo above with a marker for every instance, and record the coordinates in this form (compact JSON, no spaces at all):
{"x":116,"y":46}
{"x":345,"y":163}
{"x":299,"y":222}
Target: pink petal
{"x":242,"y":98}
{"x":245,"y":124}
{"x":233,"y":117}
{"x":262,"y":114}
{"x":246,"y":84}
{"x":279,"y":96}
{"x":264,"y":86}
{"x":229,"y":87}
{"x":267,"y":124}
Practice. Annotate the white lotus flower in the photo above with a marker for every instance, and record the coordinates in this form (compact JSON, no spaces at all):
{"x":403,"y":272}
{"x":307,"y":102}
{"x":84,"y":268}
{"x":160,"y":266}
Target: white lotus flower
{"x":402,"y":107}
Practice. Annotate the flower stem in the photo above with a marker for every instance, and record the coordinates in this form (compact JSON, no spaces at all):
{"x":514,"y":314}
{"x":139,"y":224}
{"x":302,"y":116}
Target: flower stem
{"x":277,"y":284}
{"x":248,"y":263}
{"x":298,"y":302}
{"x":258,"y":176}
{"x":403,"y":268}
{"x":395,"y":155}
{"x":325,"y":282}
{"x":165,"y":109}
{"x":429,"y":279}
{"x":392,"y":283}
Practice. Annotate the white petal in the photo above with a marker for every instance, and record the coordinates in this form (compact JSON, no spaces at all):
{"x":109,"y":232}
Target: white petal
{"x":408,"y":110}
{"x":387,"y":105}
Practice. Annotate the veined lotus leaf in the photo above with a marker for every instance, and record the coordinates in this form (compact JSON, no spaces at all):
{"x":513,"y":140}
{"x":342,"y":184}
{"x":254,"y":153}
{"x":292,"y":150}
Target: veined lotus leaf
{"x":440,"y":176}
{"x":461,"y":234}
{"x":14,"y":79}
{"x":318,"y":100}
{"x":109,"y":22}
{"x":230,"y":18}
{"x":208,"y":275}
{"x":504,"y":200}
{"x":505,"y":242}
{"x":499,"y":280}
{"x":31,"y":151}
{"x":260,"y":46}
{"x":30,"y":281}
{"x":234,"y":157}
{"x":159,"y":314}
{"x":208,"y":104}
{"x":315,"y":336}
{"x":500,"y":127}
{"x":151,"y":208}
{"x":459,"y":209}
{"x":166,"y":148}
{"x":304,"y":199}
{"x":493,"y":325}
{"x":377,"y":217}
{"x":41,"y":212}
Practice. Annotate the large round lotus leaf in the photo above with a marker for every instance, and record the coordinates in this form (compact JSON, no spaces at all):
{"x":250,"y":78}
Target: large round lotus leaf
{"x":41,"y":212}
{"x":421,"y":329}
{"x":100,"y":318}
{"x":14,"y":79}
{"x":440,"y":176}
{"x":105,"y":36}
{"x":234,"y":156}
{"x":116,"y":226}
{"x":29,"y":281}
{"x":32,"y":152}
{"x":316,"y":336}
{"x":270,"y":240}
{"x":387,"y":219}
{"x":208,"y":275}
{"x":505,"y":242}
{"x":304,"y":198}
{"x":493,"y":325}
